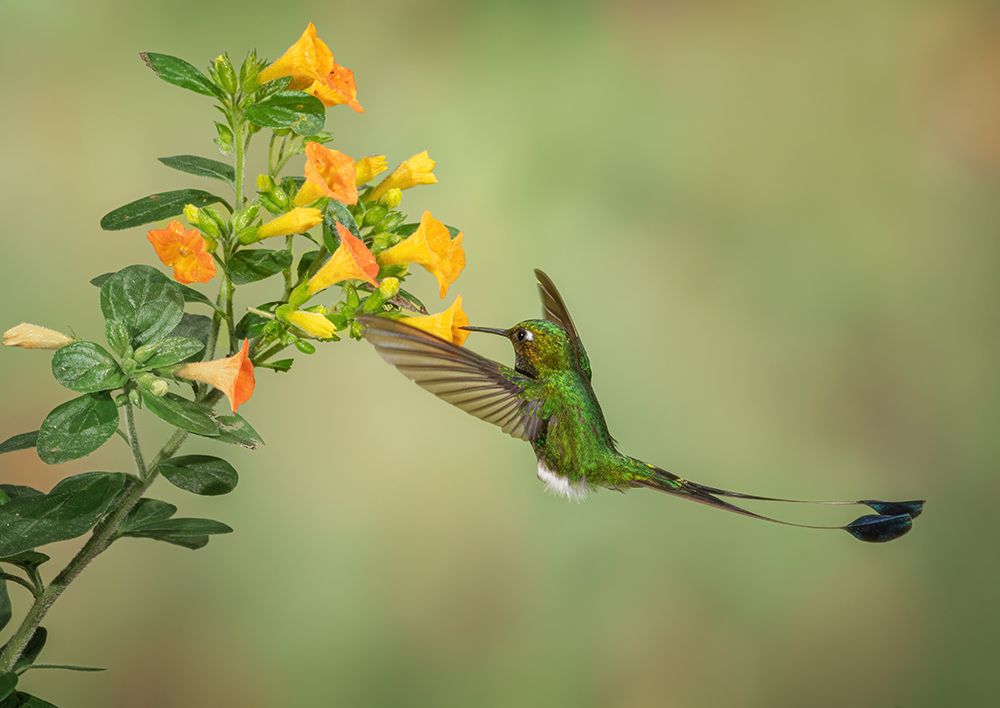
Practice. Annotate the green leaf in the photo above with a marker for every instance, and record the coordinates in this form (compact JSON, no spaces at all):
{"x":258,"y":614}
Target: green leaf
{"x":156,"y":207}
{"x":86,"y":367}
{"x":26,"y":560}
{"x":281,"y":365}
{"x":188,"y":533}
{"x":182,"y":413}
{"x":32,"y":649}
{"x":77,"y":428}
{"x":337,"y":213}
{"x":13,"y":491}
{"x":184,"y":527}
{"x":408,"y":229}
{"x":170,"y":351}
{"x":8,"y":681}
{"x":201,"y":474}
{"x":5,"y":615}
{"x":257,"y":264}
{"x":180,"y":73}
{"x":192,"y":295}
{"x":195,"y":327}
{"x":143,"y":301}
{"x":201,"y":166}
{"x":305,"y":263}
{"x":23,"y":700}
{"x":66,"y":667}
{"x":236,"y":430}
{"x":148,"y":511}
{"x":70,"y":509}
{"x":303,"y":113}
{"x":19,"y":442}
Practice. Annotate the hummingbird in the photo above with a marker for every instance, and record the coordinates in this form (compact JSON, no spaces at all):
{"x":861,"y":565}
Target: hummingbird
{"x":547,"y":400}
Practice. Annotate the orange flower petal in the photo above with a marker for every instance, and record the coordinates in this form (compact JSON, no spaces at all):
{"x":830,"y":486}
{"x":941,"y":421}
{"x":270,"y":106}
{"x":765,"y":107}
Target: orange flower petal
{"x":305,"y":61}
{"x":351,"y":261}
{"x":234,"y":375}
{"x":184,"y":250}
{"x":332,"y":172}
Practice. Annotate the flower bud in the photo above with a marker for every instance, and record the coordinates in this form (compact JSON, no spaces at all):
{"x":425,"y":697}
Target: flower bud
{"x":225,"y":74}
{"x":249,"y":71}
{"x":29,"y":336}
{"x":247,"y":235}
{"x":391,"y":221}
{"x":389,"y":287}
{"x":305,"y":347}
{"x":134,"y":398}
{"x":224,"y":138}
{"x":392,"y":198}
{"x":375,"y":214}
{"x":216,"y":218}
{"x":245,"y":217}
{"x":152,"y":384}
{"x":265,"y":184}
{"x":201,"y":219}
{"x":384,"y":240}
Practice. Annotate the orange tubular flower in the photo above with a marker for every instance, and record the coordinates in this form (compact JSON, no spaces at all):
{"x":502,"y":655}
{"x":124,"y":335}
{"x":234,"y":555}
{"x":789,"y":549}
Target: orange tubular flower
{"x":329,"y":173}
{"x":447,"y":325}
{"x":184,"y":250}
{"x":414,"y":170}
{"x":310,"y":64}
{"x":232,"y":375}
{"x":351,"y":261}
{"x":431,"y":246}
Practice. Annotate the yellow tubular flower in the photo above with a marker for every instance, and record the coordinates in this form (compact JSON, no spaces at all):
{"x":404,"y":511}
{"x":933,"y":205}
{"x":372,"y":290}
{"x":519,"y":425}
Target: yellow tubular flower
{"x":447,"y":325}
{"x":432,"y":247}
{"x":367,"y":168}
{"x":297,"y":221}
{"x":415,"y":170}
{"x":306,"y":61}
{"x":29,"y":336}
{"x":312,"y":323}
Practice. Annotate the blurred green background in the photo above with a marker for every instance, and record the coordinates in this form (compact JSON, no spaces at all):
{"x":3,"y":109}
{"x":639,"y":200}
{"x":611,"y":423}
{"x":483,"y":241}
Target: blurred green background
{"x":777,"y":226}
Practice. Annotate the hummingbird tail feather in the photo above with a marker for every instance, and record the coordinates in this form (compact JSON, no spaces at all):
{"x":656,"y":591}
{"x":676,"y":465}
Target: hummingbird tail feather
{"x":892,"y":520}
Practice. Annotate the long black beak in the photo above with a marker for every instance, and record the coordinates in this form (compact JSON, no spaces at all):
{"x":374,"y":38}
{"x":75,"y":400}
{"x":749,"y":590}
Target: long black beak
{"x":489,"y":330}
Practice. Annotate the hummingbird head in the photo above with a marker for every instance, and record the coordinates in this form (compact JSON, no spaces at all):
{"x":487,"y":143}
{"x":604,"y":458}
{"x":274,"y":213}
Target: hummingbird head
{"x":540,"y":346}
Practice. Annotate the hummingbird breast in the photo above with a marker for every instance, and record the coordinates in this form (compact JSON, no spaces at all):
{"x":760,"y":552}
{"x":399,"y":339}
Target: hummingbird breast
{"x":575,"y":451}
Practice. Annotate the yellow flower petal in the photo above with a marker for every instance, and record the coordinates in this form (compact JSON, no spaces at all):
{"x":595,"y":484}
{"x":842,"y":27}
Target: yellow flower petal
{"x":367,"y":168}
{"x":312,"y":323}
{"x":415,"y":170}
{"x":447,"y":325}
{"x":432,"y":247}
{"x":297,"y":221}
{"x":306,"y":61}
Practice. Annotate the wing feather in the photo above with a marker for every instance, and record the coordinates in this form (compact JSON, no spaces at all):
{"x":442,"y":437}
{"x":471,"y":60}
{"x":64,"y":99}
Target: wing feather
{"x":554,"y":309}
{"x":479,"y":386}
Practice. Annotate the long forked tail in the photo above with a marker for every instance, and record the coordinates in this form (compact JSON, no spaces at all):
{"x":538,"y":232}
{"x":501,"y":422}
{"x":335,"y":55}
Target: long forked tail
{"x":891,"y":520}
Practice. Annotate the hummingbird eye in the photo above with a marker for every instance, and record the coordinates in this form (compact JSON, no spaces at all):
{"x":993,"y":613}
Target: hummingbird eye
{"x":524,"y":335}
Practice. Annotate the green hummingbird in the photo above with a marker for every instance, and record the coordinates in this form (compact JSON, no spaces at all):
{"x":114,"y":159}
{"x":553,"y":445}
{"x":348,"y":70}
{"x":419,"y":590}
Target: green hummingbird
{"x":547,"y":400}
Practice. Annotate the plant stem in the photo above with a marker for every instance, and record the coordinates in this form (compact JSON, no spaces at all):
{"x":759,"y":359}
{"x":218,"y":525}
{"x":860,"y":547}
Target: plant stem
{"x":133,"y":440}
{"x":102,"y":537}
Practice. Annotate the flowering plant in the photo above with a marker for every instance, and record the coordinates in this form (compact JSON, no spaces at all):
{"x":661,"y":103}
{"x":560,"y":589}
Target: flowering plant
{"x":346,"y":251}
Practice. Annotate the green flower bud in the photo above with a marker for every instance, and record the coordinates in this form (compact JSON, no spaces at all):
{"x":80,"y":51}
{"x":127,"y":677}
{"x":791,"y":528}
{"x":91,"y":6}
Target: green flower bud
{"x":384,"y":240}
{"x":357,"y":331}
{"x":299,"y":295}
{"x":249,"y":71}
{"x":375,"y":214}
{"x":247,"y":235}
{"x":134,"y":398}
{"x":245,"y":217}
{"x":304,"y":346}
{"x":392,"y":198}
{"x":224,"y":138}
{"x":226,"y":75}
{"x":269,"y":204}
{"x":391,"y":221}
{"x":265,"y":184}
{"x":214,"y":217}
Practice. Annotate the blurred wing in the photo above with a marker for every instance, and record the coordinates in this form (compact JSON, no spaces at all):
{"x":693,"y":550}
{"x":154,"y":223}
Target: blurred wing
{"x":555,"y":310}
{"x":479,"y":386}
